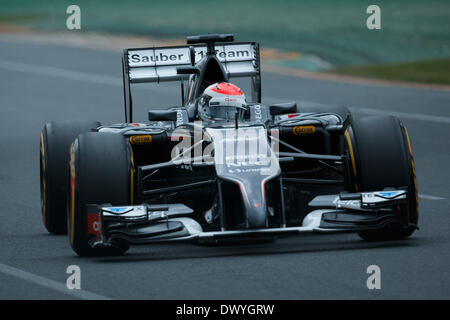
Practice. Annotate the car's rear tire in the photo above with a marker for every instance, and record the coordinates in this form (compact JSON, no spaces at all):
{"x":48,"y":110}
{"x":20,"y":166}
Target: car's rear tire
{"x":55,"y":141}
{"x":381,"y":156}
{"x":100,"y":172}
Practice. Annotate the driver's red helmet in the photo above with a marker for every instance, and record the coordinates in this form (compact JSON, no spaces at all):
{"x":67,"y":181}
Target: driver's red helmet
{"x":220,"y":101}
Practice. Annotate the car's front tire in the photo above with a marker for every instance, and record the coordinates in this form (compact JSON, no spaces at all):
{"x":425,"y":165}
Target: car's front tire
{"x":100,"y":172}
{"x":381,"y":156}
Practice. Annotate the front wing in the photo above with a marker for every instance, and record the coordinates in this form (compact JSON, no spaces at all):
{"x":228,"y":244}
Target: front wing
{"x":143,"y":224}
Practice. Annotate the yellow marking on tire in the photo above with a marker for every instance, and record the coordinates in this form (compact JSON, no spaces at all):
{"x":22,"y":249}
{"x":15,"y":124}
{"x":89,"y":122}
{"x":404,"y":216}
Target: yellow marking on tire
{"x":413,"y":166}
{"x":42,"y":149}
{"x":352,"y":156}
{"x":132,"y":178}
{"x":44,"y":183}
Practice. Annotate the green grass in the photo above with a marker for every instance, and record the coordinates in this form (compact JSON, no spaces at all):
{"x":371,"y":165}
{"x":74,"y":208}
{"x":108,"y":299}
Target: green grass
{"x":20,"y":18}
{"x":335,"y":31}
{"x":433,"y":72}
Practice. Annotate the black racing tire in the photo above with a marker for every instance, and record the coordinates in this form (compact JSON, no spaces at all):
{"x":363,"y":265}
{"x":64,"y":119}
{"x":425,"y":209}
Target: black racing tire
{"x":342,"y":111}
{"x":101,"y":172}
{"x":55,"y":141}
{"x":382,"y":157}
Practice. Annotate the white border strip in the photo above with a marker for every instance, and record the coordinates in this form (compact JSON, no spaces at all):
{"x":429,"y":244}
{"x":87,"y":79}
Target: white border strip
{"x":405,"y":115}
{"x":101,"y":79}
{"x":71,"y":75}
{"x":428,"y":197}
{"x":58,"y":72}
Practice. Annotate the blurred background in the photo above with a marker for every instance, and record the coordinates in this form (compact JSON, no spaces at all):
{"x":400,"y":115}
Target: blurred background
{"x":316,"y":53}
{"x":328,"y":36}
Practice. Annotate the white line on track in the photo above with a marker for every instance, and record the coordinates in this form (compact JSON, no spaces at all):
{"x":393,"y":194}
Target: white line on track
{"x":70,"y":74}
{"x":50,"y":284}
{"x":58,"y":72}
{"x":428,"y":197}
{"x":405,"y":115}
{"x":369,"y":111}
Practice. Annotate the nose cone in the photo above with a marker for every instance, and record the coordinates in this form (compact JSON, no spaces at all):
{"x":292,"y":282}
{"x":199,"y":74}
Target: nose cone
{"x":243,"y":156}
{"x":253,"y":195}
{"x":257,"y":217}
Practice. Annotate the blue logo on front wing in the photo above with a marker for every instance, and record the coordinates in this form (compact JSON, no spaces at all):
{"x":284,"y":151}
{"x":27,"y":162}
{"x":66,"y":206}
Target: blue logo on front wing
{"x":389,"y":194}
{"x":119,"y":210}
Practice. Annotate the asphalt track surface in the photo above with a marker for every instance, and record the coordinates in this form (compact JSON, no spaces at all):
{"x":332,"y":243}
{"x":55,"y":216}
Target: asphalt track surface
{"x":40,"y":83}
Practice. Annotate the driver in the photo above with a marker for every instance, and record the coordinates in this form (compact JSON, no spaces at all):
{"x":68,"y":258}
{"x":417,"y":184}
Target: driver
{"x":221,"y":101}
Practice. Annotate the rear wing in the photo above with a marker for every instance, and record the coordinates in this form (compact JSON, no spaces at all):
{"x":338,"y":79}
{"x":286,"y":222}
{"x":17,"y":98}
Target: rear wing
{"x":158,"y":64}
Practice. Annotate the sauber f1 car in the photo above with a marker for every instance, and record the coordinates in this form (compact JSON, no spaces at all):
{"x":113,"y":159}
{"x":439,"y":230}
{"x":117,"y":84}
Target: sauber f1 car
{"x":257,"y":171}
